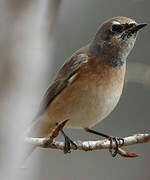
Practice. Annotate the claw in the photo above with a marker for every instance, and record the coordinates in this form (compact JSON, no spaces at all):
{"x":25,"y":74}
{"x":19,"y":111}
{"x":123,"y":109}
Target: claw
{"x":68,"y":142}
{"x":117,"y":145}
{"x":111,"y":139}
{"x":67,"y":145}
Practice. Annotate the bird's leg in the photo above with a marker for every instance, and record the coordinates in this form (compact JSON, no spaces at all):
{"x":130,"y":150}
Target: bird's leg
{"x":68,"y":142}
{"x":111,"y":139}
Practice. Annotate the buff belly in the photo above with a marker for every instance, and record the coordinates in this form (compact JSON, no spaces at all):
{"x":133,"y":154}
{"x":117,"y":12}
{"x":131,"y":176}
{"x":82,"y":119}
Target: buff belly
{"x":89,"y":97}
{"x":85,"y":104}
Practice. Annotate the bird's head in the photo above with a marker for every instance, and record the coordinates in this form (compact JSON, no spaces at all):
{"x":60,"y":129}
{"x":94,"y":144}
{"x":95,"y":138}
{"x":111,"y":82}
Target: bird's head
{"x":115,"y":39}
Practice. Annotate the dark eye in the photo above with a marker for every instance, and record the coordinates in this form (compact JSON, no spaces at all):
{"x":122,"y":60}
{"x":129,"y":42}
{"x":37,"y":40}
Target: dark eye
{"x":117,"y":28}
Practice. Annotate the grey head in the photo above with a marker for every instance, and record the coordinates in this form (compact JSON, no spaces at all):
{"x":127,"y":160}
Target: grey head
{"x":114,"y":40}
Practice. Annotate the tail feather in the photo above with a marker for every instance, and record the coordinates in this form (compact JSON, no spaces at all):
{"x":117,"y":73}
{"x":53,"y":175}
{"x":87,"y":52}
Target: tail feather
{"x":29,"y":150}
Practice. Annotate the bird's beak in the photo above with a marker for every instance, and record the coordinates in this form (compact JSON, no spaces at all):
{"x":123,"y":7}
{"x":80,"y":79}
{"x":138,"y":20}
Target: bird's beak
{"x":137,"y":27}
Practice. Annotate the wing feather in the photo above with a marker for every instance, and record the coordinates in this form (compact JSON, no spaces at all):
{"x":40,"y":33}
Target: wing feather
{"x":62,"y":80}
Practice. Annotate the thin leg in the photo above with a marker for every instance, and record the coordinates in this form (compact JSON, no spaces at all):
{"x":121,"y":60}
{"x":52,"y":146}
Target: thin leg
{"x":111,"y":139}
{"x":68,"y":142}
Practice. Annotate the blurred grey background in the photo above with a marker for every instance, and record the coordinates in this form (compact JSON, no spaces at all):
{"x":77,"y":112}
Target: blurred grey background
{"x":65,"y":26}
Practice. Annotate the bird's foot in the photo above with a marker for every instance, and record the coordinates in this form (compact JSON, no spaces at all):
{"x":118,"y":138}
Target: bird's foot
{"x":118,"y":142}
{"x":68,"y":143}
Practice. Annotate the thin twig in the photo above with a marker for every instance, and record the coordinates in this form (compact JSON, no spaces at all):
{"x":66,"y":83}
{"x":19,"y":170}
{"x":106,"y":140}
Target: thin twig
{"x":88,"y":145}
{"x":49,"y":140}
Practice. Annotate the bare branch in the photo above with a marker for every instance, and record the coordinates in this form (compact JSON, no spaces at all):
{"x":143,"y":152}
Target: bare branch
{"x":49,"y":140}
{"x":92,"y":145}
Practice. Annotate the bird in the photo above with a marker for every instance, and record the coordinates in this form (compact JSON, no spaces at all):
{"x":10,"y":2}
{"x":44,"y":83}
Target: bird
{"x":88,"y":86}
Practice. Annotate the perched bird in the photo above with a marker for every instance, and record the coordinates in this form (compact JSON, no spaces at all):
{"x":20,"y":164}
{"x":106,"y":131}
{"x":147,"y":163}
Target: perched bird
{"x":89,"y":85}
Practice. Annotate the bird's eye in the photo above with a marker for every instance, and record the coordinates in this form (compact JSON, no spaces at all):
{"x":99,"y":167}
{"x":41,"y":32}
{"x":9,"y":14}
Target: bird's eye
{"x":117,"y":28}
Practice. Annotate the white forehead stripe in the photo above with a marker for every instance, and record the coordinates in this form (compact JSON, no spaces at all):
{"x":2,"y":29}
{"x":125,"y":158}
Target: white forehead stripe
{"x":116,"y":22}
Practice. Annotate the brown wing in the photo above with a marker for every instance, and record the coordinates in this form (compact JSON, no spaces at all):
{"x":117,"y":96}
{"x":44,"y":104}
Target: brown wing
{"x":62,"y":79}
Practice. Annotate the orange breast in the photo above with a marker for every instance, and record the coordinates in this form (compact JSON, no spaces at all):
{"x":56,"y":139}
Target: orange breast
{"x":90,"y":97}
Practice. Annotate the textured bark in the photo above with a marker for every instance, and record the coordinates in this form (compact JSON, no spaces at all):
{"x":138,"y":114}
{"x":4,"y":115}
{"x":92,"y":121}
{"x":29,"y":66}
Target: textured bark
{"x":49,"y":142}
